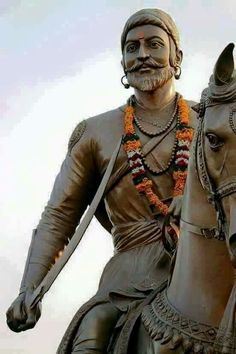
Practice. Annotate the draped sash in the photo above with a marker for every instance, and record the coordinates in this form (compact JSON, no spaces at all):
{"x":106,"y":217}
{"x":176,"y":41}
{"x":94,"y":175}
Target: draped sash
{"x":134,"y":234}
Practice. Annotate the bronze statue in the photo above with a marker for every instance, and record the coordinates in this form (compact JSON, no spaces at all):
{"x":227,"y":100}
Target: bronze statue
{"x":195,"y":313}
{"x":149,"y":171}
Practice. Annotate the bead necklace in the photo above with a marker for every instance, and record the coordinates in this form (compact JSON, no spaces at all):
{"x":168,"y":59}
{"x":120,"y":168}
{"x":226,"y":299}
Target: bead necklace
{"x":160,"y":130}
{"x":154,"y":123}
{"x":132,"y":146}
{"x":162,"y":170}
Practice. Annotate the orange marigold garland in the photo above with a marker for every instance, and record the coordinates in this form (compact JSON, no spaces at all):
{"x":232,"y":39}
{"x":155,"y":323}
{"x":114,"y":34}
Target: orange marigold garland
{"x":132,"y":146}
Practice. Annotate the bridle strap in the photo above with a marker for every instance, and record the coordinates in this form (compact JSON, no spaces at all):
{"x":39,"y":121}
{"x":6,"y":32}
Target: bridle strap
{"x":208,"y":232}
{"x":202,"y":171}
{"x":227,"y":188}
{"x":201,"y":165}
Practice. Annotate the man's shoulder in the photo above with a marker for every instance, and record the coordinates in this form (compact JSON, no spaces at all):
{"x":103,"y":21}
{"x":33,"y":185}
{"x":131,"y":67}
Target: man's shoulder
{"x":107,"y":123}
{"x":99,"y":127}
{"x":107,"y":117}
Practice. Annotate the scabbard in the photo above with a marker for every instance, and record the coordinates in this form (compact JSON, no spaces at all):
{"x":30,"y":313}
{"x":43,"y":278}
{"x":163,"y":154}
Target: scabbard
{"x":53,"y":273}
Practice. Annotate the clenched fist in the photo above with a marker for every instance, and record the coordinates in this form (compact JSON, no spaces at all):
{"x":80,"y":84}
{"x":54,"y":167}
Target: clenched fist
{"x":20,"y":315}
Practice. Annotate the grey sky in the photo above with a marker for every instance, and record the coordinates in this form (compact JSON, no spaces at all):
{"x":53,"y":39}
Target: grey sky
{"x":43,"y":40}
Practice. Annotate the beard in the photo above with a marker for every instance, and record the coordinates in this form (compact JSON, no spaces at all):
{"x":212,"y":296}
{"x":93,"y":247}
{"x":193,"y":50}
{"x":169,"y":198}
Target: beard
{"x":150,"y":82}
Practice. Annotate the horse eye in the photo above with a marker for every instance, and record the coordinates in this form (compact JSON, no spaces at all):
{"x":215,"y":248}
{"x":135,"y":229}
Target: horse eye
{"x":214,"y":141}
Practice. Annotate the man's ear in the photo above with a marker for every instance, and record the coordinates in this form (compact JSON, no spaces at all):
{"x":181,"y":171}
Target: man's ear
{"x":123,"y":64}
{"x":177,"y":63}
{"x":178,"y":57}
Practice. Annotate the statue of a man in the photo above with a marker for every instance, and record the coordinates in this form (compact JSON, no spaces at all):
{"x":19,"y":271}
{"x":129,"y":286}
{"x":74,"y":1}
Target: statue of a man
{"x":149,"y":171}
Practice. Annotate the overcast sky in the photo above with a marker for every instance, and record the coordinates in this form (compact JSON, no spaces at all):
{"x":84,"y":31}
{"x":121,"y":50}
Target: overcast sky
{"x":60,"y":63}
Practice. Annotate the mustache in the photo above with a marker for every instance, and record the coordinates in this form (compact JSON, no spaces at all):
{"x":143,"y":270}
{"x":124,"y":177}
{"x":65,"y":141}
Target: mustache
{"x":148,"y":63}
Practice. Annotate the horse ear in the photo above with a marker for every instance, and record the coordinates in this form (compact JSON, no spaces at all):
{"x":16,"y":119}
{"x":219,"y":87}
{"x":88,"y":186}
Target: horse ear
{"x":224,"y":66}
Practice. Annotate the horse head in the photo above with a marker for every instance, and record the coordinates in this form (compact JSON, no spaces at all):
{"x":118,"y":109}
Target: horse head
{"x":216,"y":145}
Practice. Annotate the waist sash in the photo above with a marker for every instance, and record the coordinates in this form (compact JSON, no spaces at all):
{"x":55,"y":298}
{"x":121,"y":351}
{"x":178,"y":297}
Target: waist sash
{"x":135,"y":234}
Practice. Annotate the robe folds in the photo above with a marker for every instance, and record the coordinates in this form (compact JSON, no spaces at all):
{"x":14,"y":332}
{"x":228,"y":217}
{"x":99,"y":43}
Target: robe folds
{"x":139,"y":262}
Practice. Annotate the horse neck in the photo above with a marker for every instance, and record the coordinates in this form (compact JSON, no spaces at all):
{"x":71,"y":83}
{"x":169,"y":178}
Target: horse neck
{"x":203,"y":275}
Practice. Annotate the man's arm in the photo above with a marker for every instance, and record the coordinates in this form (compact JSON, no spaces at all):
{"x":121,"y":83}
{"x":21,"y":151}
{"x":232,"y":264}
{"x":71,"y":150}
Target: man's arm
{"x":73,"y":190}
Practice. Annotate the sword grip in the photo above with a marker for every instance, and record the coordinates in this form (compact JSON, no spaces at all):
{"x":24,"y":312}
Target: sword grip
{"x":37,"y":296}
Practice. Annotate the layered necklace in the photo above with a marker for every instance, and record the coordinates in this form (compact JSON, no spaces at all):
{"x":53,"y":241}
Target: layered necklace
{"x":159,"y":131}
{"x":180,"y":157}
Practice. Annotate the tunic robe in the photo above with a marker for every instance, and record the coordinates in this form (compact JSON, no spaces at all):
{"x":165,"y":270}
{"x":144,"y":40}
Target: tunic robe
{"x":139,"y":260}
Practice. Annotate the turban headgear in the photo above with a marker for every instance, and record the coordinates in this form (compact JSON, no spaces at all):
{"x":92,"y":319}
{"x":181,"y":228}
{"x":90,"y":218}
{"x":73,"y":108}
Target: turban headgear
{"x":155,"y":17}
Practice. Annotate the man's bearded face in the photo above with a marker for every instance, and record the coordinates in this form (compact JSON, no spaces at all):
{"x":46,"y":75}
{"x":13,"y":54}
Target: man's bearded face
{"x":146,"y":58}
{"x":150,"y":81}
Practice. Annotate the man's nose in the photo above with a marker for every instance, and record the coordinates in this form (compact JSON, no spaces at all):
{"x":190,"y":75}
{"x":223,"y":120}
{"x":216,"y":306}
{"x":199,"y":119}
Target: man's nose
{"x":143,"y":53}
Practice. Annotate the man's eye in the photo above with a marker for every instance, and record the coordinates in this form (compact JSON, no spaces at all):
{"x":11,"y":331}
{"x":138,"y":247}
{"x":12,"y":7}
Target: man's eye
{"x":131,"y":48}
{"x":215,"y":141}
{"x":155,"y":44}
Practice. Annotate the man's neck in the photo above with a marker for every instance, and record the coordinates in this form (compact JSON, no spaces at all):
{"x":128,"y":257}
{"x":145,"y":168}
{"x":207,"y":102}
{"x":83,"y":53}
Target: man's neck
{"x":158,"y":99}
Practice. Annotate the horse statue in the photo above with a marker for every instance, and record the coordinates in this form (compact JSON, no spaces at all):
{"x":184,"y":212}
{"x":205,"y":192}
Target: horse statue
{"x":195,"y":311}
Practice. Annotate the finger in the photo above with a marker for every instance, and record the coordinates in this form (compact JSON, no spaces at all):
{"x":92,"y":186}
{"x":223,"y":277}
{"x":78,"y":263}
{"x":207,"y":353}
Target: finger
{"x":177,"y":211}
{"x":15,"y":317}
{"x":38,"y":311}
{"x":9,"y":312}
{"x":32,"y":316}
{"x":175,"y":228}
{"x":19,"y":312}
{"x":14,"y":327}
{"x":174,"y":220}
{"x":31,"y":321}
{"x":13,"y":324}
{"x":26,"y":326}
{"x":171,"y":209}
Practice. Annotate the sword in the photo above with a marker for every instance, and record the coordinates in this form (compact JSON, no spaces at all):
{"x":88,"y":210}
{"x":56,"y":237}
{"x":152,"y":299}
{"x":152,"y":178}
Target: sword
{"x":53,"y":273}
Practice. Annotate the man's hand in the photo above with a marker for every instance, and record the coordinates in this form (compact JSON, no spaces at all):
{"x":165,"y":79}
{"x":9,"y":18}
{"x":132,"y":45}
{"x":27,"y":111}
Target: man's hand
{"x":20,"y":316}
{"x":175,"y":208}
